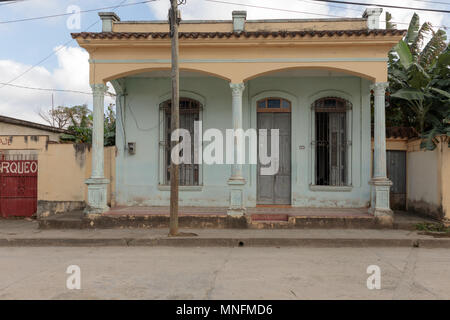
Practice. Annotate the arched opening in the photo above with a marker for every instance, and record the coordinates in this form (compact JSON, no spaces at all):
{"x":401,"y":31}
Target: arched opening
{"x":274,"y":113}
{"x":190,"y":112}
{"x":331,"y":141}
{"x":158,"y":71}
{"x":308,"y":71}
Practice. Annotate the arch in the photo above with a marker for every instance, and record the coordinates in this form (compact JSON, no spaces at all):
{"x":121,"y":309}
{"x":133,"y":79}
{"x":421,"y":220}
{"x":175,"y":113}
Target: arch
{"x":330,"y":93}
{"x":309,"y":67}
{"x":183,"y":94}
{"x":274,"y":93}
{"x":133,"y":71}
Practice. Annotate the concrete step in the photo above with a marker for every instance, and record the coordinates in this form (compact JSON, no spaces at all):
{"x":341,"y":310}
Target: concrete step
{"x":77,"y":220}
{"x":269,"y":217}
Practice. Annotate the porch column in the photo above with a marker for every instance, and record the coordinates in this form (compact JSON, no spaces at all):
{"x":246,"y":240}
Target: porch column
{"x":236,"y":182}
{"x":380,"y":183}
{"x":97,"y":184}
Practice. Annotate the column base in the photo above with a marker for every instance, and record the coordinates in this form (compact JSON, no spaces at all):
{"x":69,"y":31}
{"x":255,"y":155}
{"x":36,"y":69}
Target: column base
{"x":97,"y":196}
{"x":380,"y":206}
{"x":237,"y":205}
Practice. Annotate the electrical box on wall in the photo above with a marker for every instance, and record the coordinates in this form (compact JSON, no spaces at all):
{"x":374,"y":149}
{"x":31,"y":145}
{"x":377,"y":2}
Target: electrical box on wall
{"x":131,"y":147}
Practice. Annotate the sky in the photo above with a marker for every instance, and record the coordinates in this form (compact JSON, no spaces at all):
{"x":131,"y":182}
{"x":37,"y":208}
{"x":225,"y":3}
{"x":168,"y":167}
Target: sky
{"x":24,"y":44}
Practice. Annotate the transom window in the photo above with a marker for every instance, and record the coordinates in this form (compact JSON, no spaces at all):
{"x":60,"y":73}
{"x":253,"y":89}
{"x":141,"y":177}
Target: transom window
{"x":189,"y":112}
{"x":331,"y":141}
{"x":273,"y":105}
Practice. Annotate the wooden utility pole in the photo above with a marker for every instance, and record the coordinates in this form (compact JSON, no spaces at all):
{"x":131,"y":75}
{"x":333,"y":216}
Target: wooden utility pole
{"x":174,"y":21}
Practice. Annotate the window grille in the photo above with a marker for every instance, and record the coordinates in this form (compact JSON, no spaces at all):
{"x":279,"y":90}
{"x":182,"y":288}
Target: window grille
{"x":189,"y":112}
{"x":331,"y":141}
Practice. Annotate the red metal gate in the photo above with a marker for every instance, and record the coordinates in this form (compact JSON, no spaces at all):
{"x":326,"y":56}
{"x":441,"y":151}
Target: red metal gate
{"x":18,"y":185}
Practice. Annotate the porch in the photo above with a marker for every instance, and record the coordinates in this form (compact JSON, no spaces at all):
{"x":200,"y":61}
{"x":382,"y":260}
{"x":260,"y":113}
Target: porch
{"x":277,"y":213}
{"x":322,"y":99}
{"x":205,"y":218}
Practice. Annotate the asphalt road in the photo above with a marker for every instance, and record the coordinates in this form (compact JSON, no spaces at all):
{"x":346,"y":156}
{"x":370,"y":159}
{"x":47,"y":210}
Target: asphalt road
{"x":223,"y":273}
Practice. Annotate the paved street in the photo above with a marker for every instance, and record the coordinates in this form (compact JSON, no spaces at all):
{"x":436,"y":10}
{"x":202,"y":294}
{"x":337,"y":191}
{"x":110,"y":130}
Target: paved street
{"x":223,"y":273}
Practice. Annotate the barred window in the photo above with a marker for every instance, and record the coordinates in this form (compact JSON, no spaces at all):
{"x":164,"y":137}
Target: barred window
{"x":331,"y":141}
{"x":189,"y":112}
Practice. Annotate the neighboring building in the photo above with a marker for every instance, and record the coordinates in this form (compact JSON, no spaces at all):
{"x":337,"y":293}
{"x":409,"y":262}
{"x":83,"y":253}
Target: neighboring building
{"x":17,"y":127}
{"x":311,"y":79}
{"x":39,"y":175}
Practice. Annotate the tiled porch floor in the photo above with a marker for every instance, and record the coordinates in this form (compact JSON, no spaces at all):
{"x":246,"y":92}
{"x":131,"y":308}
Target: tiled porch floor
{"x":222,"y":211}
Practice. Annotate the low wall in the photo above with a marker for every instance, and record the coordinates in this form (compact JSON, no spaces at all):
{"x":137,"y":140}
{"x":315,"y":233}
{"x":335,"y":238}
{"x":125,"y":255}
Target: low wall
{"x":428,"y":179}
{"x":62,"y":170}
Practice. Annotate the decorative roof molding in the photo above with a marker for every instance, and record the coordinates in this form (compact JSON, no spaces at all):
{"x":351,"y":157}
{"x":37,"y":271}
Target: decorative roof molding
{"x":244,"y":34}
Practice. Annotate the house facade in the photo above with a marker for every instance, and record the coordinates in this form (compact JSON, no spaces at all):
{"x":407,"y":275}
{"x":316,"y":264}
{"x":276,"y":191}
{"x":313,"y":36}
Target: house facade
{"x":310,"y":79}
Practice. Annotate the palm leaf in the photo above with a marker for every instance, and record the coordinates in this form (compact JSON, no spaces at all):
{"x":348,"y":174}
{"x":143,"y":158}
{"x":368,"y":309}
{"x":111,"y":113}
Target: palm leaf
{"x":425,"y":31}
{"x":418,"y":77}
{"x":409,"y":94}
{"x":404,"y":54}
{"x":413,"y":29}
{"x":433,"y":49}
{"x":389,"y":23}
{"x":444,"y":93}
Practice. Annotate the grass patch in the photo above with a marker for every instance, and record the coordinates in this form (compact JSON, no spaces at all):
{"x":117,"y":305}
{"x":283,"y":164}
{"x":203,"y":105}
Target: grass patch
{"x":432,"y":227}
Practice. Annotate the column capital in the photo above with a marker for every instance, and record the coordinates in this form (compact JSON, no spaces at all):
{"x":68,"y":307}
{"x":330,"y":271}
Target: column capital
{"x":99,"y":88}
{"x":237,"y":88}
{"x":379,"y":88}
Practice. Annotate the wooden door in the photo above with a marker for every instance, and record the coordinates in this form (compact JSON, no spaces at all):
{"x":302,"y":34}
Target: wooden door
{"x":276,"y":189}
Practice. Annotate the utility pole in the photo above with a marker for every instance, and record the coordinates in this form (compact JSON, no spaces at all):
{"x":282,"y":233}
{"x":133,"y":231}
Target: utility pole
{"x":174,"y":21}
{"x":53,"y":112}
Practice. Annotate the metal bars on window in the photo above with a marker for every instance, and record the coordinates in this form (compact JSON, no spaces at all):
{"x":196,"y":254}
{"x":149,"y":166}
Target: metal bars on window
{"x":330,"y":143}
{"x":189,"y":112}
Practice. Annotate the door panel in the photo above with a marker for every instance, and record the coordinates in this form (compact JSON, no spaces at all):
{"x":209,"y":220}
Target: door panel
{"x":276,"y":189}
{"x":396,"y":172}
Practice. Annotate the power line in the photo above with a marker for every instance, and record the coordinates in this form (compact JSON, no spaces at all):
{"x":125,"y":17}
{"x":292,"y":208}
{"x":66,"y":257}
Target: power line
{"x":55,"y":51}
{"x":52,"y":89}
{"x":276,"y":9}
{"x":385,"y":5}
{"x":330,"y":5}
{"x":297,"y":11}
{"x":71,"y":13}
{"x":11,"y":2}
{"x":437,"y":2}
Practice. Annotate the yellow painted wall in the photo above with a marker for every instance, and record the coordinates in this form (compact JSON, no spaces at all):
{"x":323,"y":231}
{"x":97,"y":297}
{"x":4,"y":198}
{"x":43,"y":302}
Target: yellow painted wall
{"x":17,"y":130}
{"x":429,"y":177}
{"x":445,"y":177}
{"x":63,"y":168}
{"x":239,"y":59}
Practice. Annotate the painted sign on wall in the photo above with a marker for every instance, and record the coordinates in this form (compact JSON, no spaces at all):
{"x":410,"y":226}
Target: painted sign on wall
{"x":18,"y":187}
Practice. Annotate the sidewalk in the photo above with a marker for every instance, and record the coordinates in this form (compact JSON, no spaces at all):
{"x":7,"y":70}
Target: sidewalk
{"x":26,"y":233}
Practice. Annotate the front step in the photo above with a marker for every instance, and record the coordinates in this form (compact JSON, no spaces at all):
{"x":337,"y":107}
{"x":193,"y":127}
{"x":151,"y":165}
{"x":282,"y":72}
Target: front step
{"x":269,"y":217}
{"x":278,"y":221}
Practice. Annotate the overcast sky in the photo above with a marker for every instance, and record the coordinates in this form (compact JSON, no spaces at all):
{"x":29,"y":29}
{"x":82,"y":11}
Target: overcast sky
{"x":24,"y":44}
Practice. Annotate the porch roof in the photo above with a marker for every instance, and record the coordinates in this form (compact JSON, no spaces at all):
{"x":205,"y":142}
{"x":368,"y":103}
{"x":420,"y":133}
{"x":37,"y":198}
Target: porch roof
{"x":239,"y":50}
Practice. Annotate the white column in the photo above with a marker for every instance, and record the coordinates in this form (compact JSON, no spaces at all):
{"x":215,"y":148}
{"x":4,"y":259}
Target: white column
{"x":236,"y":105}
{"x":379,"y":154}
{"x":97,"y":184}
{"x":236,"y":182}
{"x":380,"y":183}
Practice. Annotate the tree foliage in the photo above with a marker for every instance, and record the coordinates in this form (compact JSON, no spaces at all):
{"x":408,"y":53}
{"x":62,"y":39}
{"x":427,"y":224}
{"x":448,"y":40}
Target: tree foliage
{"x":79,"y":125}
{"x":419,"y":82}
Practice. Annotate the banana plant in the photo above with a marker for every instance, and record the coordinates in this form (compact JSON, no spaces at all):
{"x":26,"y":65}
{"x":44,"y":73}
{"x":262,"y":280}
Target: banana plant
{"x":419,"y":80}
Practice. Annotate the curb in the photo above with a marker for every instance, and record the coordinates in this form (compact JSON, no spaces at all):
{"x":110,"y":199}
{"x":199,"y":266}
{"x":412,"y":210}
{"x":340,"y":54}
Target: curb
{"x":224,"y":242}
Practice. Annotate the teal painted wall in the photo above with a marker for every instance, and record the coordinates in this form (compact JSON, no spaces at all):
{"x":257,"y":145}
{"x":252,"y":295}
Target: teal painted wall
{"x":137,"y":175}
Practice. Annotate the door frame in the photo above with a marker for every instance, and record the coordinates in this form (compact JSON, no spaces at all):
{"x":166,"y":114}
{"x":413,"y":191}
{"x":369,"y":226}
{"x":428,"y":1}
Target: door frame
{"x":253,"y":181}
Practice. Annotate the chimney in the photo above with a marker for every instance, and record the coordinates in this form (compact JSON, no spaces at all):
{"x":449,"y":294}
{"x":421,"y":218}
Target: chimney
{"x":373,"y":17}
{"x":108,"y":18}
{"x":239,"y":20}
